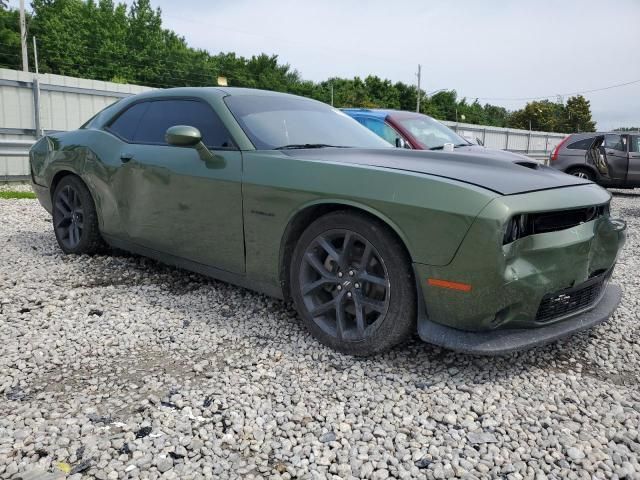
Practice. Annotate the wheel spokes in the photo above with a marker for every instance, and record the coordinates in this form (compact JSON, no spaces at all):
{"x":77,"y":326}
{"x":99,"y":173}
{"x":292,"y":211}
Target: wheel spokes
{"x":340,"y":316}
{"x":329,"y":248}
{"x":317,"y":265}
{"x":310,"y":287}
{"x":374,"y":305}
{"x":361,"y":325}
{"x":68,"y":216}
{"x":374,"y":279}
{"x":323,"y":307}
{"x":344,"y":284}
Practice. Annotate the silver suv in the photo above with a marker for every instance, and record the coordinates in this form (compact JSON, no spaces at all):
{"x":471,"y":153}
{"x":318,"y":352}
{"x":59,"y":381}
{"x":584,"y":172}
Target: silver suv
{"x":609,"y":159}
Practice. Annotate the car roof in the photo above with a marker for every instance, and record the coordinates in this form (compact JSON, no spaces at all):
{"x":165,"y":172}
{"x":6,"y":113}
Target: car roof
{"x":383,"y":112}
{"x":217,"y":91}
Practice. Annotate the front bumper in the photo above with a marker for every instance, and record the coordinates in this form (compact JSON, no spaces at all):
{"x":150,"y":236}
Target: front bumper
{"x":500,"y":342}
{"x":531,"y":291}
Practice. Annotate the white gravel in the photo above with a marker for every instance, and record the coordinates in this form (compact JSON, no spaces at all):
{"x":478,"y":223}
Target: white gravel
{"x":118,"y":367}
{"x":15,"y":187}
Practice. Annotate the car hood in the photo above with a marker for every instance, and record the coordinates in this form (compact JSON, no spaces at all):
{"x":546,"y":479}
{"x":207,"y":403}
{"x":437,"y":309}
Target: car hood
{"x":505,"y":173}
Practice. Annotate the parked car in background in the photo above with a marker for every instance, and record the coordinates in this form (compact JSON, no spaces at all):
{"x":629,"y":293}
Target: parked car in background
{"x":611,"y":159}
{"x":421,"y":132}
{"x":291,"y":197}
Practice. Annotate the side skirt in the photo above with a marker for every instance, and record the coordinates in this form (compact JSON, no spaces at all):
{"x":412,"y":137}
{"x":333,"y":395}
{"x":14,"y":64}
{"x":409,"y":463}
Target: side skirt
{"x":207,"y":270}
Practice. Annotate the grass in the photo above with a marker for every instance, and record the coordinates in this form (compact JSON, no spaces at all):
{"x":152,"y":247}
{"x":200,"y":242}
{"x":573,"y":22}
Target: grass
{"x":10,"y":194}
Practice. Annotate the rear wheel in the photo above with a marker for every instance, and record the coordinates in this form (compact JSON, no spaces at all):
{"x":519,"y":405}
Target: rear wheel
{"x":352,"y":283}
{"x":75,"y":222}
{"x":582,"y":173}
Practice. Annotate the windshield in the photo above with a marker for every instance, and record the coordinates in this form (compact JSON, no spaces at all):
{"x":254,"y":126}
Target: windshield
{"x":279,"y":122}
{"x":431,"y":134}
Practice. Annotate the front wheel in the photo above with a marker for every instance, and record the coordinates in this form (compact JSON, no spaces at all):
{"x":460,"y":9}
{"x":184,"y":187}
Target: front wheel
{"x":352,"y":283}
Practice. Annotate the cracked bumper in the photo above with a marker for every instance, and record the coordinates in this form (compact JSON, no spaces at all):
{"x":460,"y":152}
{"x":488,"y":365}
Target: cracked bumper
{"x":500,"y":342}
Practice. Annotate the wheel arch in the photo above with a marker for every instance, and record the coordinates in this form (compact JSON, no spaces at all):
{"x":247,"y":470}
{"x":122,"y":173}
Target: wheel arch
{"x":307,"y":214}
{"x":57,"y":178}
{"x":583,"y":166}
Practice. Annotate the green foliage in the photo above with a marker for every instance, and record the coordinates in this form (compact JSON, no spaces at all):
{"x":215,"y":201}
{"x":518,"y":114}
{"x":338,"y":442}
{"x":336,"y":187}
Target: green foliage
{"x":577,"y":115}
{"x":10,"y":194}
{"x":10,"y":39}
{"x":103,"y":40}
{"x":548,"y":116}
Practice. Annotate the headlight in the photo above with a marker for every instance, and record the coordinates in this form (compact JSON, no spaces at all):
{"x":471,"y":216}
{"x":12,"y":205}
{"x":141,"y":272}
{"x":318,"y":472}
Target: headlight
{"x":517,"y":227}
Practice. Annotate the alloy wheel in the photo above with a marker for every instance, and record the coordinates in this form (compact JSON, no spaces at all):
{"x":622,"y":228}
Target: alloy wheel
{"x":68,"y":216}
{"x":344,"y":285}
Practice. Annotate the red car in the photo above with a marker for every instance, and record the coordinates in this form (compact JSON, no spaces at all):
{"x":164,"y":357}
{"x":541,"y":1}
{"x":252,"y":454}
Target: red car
{"x":421,"y":132}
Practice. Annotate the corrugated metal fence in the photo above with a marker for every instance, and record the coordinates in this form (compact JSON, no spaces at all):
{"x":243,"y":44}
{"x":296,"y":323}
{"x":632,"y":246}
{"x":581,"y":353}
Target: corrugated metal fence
{"x":63,"y":103}
{"x":31,"y":106}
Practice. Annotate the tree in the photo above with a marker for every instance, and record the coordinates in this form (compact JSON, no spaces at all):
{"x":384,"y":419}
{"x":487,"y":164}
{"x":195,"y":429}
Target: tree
{"x":539,"y":115}
{"x":9,"y":39}
{"x":578,"y":115}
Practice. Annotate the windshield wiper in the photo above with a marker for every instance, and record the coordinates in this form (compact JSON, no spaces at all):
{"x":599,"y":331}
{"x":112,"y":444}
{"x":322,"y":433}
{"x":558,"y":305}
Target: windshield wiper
{"x":440,"y":147}
{"x":294,"y":146}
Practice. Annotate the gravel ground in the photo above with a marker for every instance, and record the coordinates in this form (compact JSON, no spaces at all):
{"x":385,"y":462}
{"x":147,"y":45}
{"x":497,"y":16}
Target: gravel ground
{"x":118,"y":367}
{"x":15,"y":187}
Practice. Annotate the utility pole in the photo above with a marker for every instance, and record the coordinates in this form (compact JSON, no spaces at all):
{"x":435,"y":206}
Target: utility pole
{"x":418,"y":93}
{"x":23,"y":38}
{"x":332,"y":94}
{"x":36,"y":90}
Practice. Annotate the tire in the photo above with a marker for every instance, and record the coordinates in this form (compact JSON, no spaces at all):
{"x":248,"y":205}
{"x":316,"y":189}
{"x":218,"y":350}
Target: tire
{"x":582,"y":173}
{"x":75,"y":221}
{"x":359,"y":300}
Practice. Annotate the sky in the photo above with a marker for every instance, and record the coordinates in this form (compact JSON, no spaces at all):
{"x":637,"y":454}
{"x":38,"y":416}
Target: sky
{"x":498,"y":51}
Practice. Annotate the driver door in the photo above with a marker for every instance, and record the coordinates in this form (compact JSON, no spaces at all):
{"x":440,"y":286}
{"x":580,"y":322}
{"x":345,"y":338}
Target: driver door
{"x":615,"y":150}
{"x":171,"y":200}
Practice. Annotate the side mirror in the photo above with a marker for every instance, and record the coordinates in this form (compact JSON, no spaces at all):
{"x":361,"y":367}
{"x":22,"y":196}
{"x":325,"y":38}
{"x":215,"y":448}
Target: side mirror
{"x":401,"y":143}
{"x":183,"y":136}
{"x":186,"y":136}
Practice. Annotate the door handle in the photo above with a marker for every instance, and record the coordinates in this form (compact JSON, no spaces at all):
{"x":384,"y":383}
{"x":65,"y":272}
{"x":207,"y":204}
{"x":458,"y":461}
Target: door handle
{"x":125,"y":157}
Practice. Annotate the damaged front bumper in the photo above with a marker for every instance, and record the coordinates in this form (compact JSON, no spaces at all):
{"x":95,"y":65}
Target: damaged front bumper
{"x":532,"y":291}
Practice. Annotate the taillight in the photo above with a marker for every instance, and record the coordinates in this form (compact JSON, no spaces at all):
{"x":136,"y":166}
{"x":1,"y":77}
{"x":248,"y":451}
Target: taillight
{"x":554,"y":155}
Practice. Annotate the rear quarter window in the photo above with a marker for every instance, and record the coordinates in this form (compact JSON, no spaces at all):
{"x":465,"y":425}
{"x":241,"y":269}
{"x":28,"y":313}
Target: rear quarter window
{"x":581,"y":144}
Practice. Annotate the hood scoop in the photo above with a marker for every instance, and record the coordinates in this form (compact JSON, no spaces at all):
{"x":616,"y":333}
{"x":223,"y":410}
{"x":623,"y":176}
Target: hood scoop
{"x":533,"y":165}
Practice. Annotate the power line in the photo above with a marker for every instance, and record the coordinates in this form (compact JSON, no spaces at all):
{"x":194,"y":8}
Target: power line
{"x":561,"y":94}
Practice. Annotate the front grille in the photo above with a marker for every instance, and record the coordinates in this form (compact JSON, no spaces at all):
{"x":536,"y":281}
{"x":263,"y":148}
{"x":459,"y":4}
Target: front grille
{"x":554,"y":221}
{"x":570,"y":300}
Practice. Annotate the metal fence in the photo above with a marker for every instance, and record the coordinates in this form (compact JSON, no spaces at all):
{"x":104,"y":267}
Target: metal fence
{"x":534,"y":144}
{"x":31,"y":106}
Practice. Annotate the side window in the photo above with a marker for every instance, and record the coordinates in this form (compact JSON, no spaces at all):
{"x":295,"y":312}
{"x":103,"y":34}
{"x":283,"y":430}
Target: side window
{"x":615,"y":142}
{"x":581,"y":144}
{"x":634,"y":145}
{"x":163,"y":114}
{"x":381,"y":129}
{"x":126,"y":124}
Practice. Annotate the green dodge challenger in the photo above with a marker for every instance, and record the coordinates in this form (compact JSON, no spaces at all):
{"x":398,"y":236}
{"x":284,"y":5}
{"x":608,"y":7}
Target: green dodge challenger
{"x":292,"y":198}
